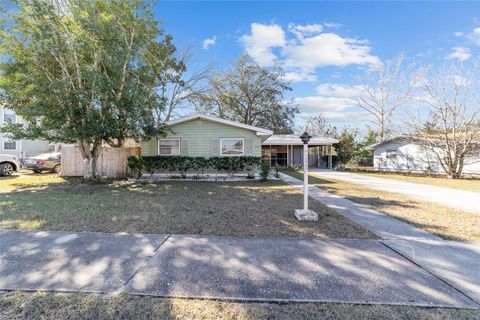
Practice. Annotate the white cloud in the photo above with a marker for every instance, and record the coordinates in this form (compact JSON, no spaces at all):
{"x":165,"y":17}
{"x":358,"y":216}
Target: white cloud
{"x":474,"y":36}
{"x":340,"y":91}
{"x":300,"y":31}
{"x":313,"y":105}
{"x":207,"y":43}
{"x":458,"y":34}
{"x":308,"y":50}
{"x":460,"y":53}
{"x":299,"y":77}
{"x":260,"y":42}
{"x":328,"y":49}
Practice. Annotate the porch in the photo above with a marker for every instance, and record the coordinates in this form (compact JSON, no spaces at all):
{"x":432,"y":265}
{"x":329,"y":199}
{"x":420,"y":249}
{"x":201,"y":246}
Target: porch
{"x":284,"y":150}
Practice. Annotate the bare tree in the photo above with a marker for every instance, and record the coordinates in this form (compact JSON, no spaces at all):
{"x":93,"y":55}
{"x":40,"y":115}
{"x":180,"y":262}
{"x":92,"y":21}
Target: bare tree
{"x":448,"y":124}
{"x":386,"y":90}
{"x":185,"y":86}
{"x":252,"y":95}
{"x":318,"y":126}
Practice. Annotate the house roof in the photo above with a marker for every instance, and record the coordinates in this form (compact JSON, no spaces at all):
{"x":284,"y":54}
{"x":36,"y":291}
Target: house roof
{"x":194,"y":116}
{"x":399,"y":138}
{"x":291,"y":139}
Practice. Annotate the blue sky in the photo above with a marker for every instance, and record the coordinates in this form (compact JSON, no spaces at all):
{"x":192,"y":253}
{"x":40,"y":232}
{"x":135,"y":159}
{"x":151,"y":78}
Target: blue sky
{"x":323,"y":45}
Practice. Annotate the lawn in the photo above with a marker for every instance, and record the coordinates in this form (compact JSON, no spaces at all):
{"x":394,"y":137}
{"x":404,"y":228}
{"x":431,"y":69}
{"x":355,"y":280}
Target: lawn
{"x":220,"y":208}
{"x":28,"y":180}
{"x":23,"y":305}
{"x":445,"y":222}
{"x":459,"y":184}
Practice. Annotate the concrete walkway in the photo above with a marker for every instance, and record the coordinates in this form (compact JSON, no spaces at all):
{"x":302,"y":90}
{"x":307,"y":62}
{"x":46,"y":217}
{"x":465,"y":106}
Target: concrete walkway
{"x":457,"y":263}
{"x":237,"y":268}
{"x":458,"y":199}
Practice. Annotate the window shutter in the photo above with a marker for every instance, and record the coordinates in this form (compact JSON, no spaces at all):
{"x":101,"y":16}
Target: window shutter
{"x":183,"y":147}
{"x":248,"y":147}
{"x":215,"y":147}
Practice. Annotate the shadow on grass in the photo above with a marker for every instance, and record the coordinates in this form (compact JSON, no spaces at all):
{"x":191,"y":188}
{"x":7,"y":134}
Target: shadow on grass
{"x":217,"y":208}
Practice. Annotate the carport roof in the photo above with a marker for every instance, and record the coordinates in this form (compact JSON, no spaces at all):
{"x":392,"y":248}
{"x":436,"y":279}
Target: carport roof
{"x":291,"y":139}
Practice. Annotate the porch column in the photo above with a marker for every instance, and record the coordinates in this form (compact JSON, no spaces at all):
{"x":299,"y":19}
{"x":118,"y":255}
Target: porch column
{"x":288,"y":156}
{"x":330,"y":157}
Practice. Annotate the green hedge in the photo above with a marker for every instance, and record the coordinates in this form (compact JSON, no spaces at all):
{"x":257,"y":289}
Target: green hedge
{"x":183,"y":164}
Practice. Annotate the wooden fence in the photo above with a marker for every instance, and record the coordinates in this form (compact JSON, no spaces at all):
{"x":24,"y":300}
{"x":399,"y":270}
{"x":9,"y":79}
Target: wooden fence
{"x":112,"y":162}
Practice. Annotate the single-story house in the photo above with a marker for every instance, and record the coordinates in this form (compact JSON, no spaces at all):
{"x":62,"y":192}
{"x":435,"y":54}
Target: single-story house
{"x":200,"y":135}
{"x":401,"y":154}
{"x":20,"y":148}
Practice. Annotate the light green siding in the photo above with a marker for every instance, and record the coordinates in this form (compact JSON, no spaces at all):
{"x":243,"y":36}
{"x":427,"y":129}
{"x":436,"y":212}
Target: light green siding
{"x":200,"y":138}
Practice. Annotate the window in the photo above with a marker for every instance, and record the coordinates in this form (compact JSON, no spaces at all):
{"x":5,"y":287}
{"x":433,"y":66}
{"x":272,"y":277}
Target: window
{"x":391,"y":154}
{"x":9,"y":144}
{"x":231,"y":147}
{"x":169,"y":147}
{"x":9,"y":116}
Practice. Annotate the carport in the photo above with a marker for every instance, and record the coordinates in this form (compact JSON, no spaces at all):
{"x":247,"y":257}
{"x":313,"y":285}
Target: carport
{"x":284,"y":150}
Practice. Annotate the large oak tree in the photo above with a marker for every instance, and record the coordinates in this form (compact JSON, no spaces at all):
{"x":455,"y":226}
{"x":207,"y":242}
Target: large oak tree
{"x":84,"y":72}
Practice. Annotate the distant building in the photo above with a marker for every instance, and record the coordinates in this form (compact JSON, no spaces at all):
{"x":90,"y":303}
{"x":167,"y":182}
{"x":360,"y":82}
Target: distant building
{"x":401,"y":154}
{"x":19,"y":148}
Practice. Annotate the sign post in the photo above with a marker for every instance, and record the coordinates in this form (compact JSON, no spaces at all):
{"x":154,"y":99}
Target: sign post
{"x":305,"y":214}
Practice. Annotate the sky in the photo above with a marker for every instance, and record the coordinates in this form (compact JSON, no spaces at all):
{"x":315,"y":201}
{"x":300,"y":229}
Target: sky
{"x":322,"y":46}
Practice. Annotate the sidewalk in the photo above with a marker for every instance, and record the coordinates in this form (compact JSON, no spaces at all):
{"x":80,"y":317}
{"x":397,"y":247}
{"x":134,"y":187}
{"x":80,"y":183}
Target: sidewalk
{"x":232,"y":268}
{"x":457,"y":263}
{"x":459,"y":199}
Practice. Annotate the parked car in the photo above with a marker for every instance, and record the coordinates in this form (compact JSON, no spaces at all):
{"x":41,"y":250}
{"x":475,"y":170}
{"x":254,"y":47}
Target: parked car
{"x":8,"y":164}
{"x":44,"y":162}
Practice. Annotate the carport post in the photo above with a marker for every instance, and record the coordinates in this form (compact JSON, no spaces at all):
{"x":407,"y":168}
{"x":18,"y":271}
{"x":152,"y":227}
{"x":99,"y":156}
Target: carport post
{"x":330,"y":157}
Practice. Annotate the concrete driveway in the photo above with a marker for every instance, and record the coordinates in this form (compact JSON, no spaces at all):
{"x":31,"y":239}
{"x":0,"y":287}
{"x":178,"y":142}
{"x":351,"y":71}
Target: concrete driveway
{"x":458,"y":199}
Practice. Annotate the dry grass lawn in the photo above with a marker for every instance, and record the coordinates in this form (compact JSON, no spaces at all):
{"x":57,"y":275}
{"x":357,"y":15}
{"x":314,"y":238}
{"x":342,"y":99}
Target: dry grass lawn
{"x":438,"y":219}
{"x":28,"y":180}
{"x":23,"y":305}
{"x":460,"y":184}
{"x":220,"y":208}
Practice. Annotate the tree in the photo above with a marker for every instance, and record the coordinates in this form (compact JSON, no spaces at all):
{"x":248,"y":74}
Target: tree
{"x":369,"y":139}
{"x":446,"y":125}
{"x":319,"y":126}
{"x":183,"y":89}
{"x":251,"y":95}
{"x":347,"y":146}
{"x":386,"y":89}
{"x":84,"y":72}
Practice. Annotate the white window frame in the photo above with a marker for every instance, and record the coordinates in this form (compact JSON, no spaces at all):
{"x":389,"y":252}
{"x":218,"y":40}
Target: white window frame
{"x":4,"y":109}
{"x":232,"y":155}
{"x":391,"y":154}
{"x":6,"y":139}
{"x":170,"y":155}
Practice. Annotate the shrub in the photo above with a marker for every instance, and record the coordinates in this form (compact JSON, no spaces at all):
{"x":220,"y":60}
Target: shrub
{"x":277,"y":171}
{"x":183,"y":164}
{"x":136,"y":165}
{"x":264,"y":172}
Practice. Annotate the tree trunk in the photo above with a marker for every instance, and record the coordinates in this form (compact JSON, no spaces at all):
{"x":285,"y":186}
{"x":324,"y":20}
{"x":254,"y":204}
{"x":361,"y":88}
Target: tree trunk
{"x":90,"y":152}
{"x":90,"y":166}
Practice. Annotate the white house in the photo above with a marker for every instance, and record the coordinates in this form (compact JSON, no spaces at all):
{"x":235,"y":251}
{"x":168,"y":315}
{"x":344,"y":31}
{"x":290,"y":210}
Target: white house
{"x":400,"y":154}
{"x":19,"y":148}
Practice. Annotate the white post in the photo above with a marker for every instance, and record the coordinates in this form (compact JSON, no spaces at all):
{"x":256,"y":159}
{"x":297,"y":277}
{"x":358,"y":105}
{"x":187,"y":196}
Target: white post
{"x":305,"y":214}
{"x":305,"y":176}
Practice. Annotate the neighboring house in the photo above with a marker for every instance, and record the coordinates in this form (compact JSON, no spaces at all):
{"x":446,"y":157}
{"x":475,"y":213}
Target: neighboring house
{"x":20,"y":148}
{"x":287,"y":149}
{"x":400,"y":154}
{"x":200,"y":135}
